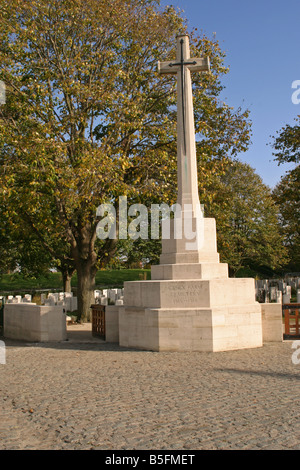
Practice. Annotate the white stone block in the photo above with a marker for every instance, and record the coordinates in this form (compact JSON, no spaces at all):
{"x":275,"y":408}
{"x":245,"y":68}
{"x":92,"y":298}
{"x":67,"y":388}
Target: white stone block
{"x":112,"y":324}
{"x":272,"y":324}
{"x":30,"y":322}
{"x":189,"y":271}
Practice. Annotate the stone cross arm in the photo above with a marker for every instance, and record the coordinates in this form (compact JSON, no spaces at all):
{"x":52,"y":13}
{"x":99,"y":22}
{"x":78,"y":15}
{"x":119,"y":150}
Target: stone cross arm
{"x":194,"y":65}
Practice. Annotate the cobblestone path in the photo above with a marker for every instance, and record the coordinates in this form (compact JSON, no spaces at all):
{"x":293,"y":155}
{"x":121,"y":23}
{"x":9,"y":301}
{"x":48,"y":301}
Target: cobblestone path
{"x":77,"y":395}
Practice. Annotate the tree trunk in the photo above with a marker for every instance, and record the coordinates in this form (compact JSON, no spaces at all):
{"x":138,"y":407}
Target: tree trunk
{"x":67,"y":282}
{"x":67,"y":273}
{"x":85,"y":289}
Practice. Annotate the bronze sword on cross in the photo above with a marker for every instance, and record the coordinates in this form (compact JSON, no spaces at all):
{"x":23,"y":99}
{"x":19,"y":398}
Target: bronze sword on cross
{"x":182,"y":64}
{"x":194,"y":65}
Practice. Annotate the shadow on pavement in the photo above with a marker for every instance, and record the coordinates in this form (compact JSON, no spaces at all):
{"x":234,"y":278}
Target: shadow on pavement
{"x":79,"y":337}
{"x":262,"y":373}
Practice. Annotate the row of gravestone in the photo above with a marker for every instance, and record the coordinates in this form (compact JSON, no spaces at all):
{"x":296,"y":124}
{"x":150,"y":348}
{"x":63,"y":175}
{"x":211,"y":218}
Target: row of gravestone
{"x":277,"y":290}
{"x":63,"y":298}
{"x":109,"y":296}
{"x":17,"y":299}
{"x":102,"y":297}
{"x":67,"y":299}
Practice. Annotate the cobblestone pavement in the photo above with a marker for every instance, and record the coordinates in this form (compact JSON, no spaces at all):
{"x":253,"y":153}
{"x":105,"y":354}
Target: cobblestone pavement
{"x":93,"y":395}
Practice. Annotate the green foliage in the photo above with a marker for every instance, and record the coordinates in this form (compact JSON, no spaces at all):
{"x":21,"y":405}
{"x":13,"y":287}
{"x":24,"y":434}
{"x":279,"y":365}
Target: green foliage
{"x":287,"y":193}
{"x":17,"y":282}
{"x":287,"y":144}
{"x":287,"y":197}
{"x":247,"y":220}
{"x":53,"y":280}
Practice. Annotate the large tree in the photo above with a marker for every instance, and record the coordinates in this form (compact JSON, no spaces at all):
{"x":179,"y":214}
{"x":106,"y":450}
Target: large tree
{"x":247,"y":220}
{"x":286,"y":147}
{"x":287,"y":196}
{"x":88,"y":118}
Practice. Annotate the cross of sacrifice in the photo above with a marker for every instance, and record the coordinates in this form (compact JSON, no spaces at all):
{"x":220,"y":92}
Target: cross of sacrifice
{"x":186,"y":147}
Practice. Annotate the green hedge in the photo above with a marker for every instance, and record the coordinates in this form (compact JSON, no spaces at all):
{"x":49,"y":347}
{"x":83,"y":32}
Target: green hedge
{"x":53,"y":281}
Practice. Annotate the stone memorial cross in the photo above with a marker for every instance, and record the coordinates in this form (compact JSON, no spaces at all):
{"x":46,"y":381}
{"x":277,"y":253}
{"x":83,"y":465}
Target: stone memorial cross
{"x":186,"y":147}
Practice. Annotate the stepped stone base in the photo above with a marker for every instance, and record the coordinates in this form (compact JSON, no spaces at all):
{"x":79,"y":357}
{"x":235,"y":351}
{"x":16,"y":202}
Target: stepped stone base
{"x":189,"y":271}
{"x":198,"y":329}
{"x":190,"y":304}
{"x":190,"y":315}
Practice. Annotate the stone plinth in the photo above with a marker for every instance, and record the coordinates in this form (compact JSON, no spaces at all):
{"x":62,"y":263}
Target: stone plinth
{"x":189,"y":271}
{"x":191,"y":329}
{"x":31,"y":322}
{"x":190,"y":307}
{"x":198,"y":329}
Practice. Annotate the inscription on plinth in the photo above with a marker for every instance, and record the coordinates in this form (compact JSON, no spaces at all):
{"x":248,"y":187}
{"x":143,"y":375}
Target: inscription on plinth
{"x":185,"y":294}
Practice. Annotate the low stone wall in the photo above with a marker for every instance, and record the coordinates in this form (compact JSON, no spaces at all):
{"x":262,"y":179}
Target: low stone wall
{"x":272,"y":322}
{"x":37,"y":323}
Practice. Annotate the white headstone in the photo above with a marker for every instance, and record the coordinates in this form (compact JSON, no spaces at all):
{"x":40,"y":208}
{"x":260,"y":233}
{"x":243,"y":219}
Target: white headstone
{"x":97,"y":294}
{"x":279,"y":297}
{"x":53,"y":298}
{"x":73,"y":304}
{"x":112,"y":296}
{"x":273,"y":293}
{"x":50,"y":301}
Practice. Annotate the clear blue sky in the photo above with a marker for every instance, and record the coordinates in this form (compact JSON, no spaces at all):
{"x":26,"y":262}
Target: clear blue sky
{"x":261,"y":39}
